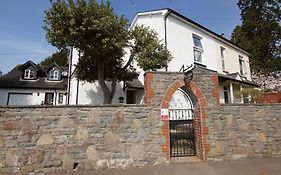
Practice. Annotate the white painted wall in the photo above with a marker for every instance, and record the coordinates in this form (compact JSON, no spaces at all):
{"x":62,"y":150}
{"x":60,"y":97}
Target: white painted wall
{"x":91,"y":93}
{"x":180,"y":43}
{"x":38,"y":95}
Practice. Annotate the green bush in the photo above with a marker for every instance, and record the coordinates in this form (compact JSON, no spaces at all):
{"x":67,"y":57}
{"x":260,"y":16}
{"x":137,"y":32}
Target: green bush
{"x":250,"y":95}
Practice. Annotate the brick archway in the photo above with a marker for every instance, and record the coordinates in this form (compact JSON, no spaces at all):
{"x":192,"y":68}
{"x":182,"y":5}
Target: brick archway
{"x":200,"y":115}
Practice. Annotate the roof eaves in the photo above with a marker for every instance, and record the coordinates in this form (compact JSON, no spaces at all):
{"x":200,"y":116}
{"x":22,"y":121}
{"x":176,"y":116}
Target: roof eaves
{"x":208,"y":30}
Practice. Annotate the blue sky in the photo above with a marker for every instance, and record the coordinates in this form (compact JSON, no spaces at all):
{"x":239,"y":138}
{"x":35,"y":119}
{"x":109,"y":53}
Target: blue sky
{"x":22,"y":37}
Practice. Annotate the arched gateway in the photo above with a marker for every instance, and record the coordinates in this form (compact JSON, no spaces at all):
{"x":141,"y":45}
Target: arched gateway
{"x":181,"y":124}
{"x":187,"y":114}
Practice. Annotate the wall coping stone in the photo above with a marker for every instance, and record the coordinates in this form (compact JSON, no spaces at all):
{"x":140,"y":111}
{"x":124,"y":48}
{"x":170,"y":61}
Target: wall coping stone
{"x":74,"y":106}
{"x":251,"y":104}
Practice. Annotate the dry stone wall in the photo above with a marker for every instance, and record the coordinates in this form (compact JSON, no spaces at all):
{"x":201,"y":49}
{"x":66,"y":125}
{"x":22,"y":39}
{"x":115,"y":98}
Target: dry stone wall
{"x":42,"y":140}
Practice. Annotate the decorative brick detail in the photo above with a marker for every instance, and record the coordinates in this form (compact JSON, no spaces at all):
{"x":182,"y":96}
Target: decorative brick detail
{"x":201,"y":131}
{"x":216,"y":91}
{"x":166,"y":145}
{"x":148,"y":90}
{"x":170,"y":91}
{"x":202,"y":149}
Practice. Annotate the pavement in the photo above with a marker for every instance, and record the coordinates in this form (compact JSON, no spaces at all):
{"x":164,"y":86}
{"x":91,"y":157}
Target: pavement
{"x":261,"y":166}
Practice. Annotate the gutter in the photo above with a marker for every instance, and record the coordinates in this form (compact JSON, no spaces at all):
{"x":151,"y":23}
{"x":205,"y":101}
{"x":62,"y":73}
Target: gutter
{"x":165,"y":30}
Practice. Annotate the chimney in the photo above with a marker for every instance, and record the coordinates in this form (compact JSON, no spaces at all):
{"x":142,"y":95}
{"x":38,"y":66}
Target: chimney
{"x":223,"y":35}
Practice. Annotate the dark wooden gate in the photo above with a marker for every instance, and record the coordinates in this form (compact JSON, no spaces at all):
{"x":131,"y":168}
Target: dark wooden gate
{"x":182,"y":137}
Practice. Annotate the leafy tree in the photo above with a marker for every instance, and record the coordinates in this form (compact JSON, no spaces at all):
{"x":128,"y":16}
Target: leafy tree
{"x":60,"y":57}
{"x":260,"y":34}
{"x":101,"y":37}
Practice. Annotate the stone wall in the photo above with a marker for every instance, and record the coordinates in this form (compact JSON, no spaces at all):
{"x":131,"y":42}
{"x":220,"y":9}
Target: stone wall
{"x":46,"y":139}
{"x":40,"y":139}
{"x":246,"y":130}
{"x":222,"y":132}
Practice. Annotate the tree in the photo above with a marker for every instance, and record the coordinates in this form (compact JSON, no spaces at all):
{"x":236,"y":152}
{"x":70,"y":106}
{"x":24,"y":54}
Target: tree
{"x":101,"y":37}
{"x":60,"y":57}
{"x":260,"y":34}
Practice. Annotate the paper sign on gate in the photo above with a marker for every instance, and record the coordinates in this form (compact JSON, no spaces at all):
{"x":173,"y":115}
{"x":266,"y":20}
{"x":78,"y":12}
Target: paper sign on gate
{"x":164,"y":114}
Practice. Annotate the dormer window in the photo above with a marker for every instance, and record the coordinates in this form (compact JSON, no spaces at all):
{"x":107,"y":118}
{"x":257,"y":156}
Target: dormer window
{"x":197,"y":48}
{"x":54,"y":75}
{"x":29,"y":74}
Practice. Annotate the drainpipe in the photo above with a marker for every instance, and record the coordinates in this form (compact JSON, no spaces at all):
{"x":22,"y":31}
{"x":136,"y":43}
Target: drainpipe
{"x":165,"y":30}
{"x":69,"y":73}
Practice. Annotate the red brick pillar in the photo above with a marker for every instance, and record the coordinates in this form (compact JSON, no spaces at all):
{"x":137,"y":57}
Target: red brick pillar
{"x":148,"y":89}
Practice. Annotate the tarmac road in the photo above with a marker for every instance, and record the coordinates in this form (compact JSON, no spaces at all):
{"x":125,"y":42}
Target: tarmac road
{"x":262,"y":166}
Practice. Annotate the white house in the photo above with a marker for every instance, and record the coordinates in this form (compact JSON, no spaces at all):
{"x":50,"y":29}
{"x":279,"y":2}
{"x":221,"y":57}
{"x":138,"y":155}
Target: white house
{"x":30,"y":84}
{"x":190,"y":43}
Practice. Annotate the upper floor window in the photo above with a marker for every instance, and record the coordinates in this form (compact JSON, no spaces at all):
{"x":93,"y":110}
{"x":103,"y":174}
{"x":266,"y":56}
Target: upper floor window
{"x":54,"y":75}
{"x":29,"y":74}
{"x":197,"y":48}
{"x":223,"y":59}
{"x":241,"y":65}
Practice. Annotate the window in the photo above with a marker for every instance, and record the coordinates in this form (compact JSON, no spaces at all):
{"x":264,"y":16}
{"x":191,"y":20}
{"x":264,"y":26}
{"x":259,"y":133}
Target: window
{"x":54,"y":75}
{"x":197,"y":48}
{"x":223,"y":59}
{"x":226,"y":94}
{"x":49,"y":98}
{"x":60,"y":98}
{"x":241,"y":65}
{"x":29,"y":74}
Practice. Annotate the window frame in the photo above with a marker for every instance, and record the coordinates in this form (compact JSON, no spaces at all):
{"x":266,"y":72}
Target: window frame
{"x":226,"y":94}
{"x":223,"y":62}
{"x":197,"y":48}
{"x":60,"y":99}
{"x":29,"y":74}
{"x":54,"y":75}
{"x":241,"y":66}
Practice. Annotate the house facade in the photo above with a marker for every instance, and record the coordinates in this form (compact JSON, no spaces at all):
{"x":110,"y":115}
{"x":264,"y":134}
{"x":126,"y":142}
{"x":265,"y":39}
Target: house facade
{"x":30,"y":84}
{"x":190,"y":44}
{"x":193,"y":44}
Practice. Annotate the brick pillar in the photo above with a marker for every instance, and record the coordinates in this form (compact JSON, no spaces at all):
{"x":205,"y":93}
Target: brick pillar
{"x":216,"y":91}
{"x":148,"y":89}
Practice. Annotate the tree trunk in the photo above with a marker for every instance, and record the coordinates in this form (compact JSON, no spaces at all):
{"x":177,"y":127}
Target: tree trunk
{"x":106,"y":92}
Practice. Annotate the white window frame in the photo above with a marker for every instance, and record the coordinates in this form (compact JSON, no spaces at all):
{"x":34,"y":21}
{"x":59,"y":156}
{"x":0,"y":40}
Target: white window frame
{"x":60,"y":100}
{"x":223,"y":62}
{"x":54,"y":75}
{"x":242,"y":66}
{"x":198,"y":49}
{"x":29,"y":74}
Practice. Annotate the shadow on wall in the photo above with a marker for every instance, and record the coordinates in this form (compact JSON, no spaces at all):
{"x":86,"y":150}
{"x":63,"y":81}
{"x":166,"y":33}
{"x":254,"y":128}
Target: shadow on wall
{"x":94,"y":95}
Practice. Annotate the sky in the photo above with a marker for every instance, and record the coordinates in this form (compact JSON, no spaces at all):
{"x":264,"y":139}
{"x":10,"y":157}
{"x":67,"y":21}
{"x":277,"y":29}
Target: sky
{"x":22,"y":36}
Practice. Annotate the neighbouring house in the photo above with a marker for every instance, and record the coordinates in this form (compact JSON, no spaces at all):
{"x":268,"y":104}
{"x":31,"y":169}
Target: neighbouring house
{"x":30,"y":84}
{"x":190,"y":44}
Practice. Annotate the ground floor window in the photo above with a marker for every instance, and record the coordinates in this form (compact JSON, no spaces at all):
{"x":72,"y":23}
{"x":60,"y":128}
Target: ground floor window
{"x":226,"y":94}
{"x":49,"y":98}
{"x":60,"y":101}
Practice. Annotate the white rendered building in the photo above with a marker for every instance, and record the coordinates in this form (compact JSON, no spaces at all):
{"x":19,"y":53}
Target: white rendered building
{"x":189,"y":43}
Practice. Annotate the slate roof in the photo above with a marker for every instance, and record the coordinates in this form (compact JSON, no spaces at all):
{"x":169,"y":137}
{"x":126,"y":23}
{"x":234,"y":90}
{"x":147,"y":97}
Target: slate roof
{"x":233,"y":77}
{"x":14,"y":79}
{"x":136,"y":83}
